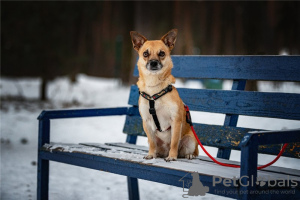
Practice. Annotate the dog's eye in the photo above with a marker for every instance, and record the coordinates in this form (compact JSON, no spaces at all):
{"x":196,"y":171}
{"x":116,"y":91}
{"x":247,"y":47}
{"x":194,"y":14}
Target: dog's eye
{"x":146,"y":54}
{"x":161,"y":54}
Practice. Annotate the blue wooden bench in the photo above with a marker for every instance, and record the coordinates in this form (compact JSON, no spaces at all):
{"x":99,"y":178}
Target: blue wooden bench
{"x":284,"y":182}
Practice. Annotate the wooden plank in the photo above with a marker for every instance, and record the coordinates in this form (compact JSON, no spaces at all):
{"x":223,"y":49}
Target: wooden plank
{"x":275,"y":137}
{"x":133,"y":126}
{"x":210,"y":135}
{"x":129,"y":146}
{"x":166,"y":174}
{"x":261,"y":104}
{"x":114,"y":148}
{"x":231,"y":120}
{"x":201,"y":166}
{"x":58,"y":114}
{"x":275,"y":169}
{"x":141,"y":150}
{"x":217,"y":136}
{"x":133,"y":169}
{"x":272,"y":68}
{"x":84,"y":151}
{"x":154,"y":170}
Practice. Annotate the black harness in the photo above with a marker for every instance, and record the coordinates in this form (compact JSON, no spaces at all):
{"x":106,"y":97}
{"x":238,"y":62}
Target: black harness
{"x":152,"y":99}
{"x":152,"y":110}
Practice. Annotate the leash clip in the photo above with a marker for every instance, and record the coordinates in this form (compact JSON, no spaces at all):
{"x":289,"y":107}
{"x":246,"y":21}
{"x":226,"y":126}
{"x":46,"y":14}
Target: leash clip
{"x":188,"y":118}
{"x":188,"y":115}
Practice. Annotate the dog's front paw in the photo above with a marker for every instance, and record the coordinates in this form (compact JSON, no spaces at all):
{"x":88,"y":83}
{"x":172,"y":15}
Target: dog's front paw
{"x":190,"y":156}
{"x":148,"y":157}
{"x":169,"y":158}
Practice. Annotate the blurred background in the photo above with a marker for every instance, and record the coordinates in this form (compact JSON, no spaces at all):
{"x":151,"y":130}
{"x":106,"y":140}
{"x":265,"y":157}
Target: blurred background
{"x":50,"y":39}
{"x":72,"y":54}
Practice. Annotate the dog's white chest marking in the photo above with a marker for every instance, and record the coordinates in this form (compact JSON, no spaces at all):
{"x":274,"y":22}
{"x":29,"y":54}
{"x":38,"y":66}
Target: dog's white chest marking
{"x":165,"y":111}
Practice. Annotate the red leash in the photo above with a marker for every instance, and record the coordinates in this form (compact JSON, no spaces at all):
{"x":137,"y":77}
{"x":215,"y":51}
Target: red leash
{"x":225,"y":164}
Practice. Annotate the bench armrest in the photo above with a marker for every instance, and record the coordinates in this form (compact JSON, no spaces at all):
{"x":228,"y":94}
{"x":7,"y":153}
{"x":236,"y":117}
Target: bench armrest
{"x":45,"y":117}
{"x":249,"y":151}
{"x":271,"y":137}
{"x":58,"y":114}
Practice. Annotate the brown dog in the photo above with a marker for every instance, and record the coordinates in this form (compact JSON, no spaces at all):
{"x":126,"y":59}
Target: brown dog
{"x":176,"y":138}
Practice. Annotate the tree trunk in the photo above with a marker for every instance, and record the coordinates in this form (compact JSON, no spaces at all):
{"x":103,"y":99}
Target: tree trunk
{"x":251,"y":86}
{"x":43,"y":89}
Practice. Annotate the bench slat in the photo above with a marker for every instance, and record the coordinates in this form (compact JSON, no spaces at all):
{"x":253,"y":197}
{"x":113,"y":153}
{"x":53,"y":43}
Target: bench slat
{"x":133,"y":165}
{"x":129,"y":146}
{"x":141,"y":171}
{"x":184,"y":165}
{"x":109,"y":147}
{"x":270,"y":68}
{"x":276,"y":169}
{"x":217,"y":136}
{"x":261,"y":104}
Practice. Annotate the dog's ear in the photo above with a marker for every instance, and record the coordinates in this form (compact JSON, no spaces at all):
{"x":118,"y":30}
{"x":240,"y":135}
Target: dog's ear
{"x":170,"y":38}
{"x":137,"y":40}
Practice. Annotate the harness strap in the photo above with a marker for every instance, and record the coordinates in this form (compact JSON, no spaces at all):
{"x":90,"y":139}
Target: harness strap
{"x":157,"y":95}
{"x":152,"y":99}
{"x":152,"y":111}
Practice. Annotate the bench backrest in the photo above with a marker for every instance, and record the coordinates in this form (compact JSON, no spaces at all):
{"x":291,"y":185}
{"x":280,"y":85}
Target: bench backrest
{"x":233,"y":102}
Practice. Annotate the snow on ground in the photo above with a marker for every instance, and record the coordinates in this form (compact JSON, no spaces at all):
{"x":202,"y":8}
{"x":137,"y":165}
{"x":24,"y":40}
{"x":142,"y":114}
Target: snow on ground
{"x":19,"y":131}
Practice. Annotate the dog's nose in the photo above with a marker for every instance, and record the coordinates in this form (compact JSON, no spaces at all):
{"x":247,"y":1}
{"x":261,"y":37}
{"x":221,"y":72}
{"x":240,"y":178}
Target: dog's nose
{"x":153,"y":63}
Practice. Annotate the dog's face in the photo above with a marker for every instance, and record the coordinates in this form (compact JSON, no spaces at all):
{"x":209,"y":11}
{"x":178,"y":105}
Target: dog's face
{"x":154,"y":55}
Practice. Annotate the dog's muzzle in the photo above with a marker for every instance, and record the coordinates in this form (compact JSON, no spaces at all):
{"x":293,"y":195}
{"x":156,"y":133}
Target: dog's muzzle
{"x":154,"y":65}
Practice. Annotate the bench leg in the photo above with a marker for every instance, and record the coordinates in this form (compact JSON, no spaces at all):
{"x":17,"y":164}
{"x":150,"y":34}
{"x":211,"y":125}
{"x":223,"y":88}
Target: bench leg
{"x":224,"y":153}
{"x":43,"y":179}
{"x":133,"y":188}
{"x":248,"y":171}
{"x":43,"y":165}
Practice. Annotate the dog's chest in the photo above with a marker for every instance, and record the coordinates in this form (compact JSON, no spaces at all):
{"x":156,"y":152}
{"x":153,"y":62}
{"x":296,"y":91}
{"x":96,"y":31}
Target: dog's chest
{"x":164,"y":110}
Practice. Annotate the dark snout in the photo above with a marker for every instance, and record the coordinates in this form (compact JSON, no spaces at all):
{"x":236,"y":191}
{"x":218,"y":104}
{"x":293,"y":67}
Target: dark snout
{"x":154,"y":65}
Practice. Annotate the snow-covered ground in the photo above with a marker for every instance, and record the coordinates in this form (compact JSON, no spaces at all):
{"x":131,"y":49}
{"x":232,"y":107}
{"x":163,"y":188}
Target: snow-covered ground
{"x":19,"y":129}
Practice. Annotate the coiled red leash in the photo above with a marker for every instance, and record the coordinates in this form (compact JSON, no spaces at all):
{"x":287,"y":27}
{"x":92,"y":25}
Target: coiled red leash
{"x":189,"y":120}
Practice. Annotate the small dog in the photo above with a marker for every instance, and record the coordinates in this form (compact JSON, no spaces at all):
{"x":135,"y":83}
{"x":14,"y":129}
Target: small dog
{"x":172,"y":137}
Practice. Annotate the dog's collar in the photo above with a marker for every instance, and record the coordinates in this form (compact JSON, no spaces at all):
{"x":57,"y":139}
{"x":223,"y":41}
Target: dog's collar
{"x":151,"y":100}
{"x":157,"y":95}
